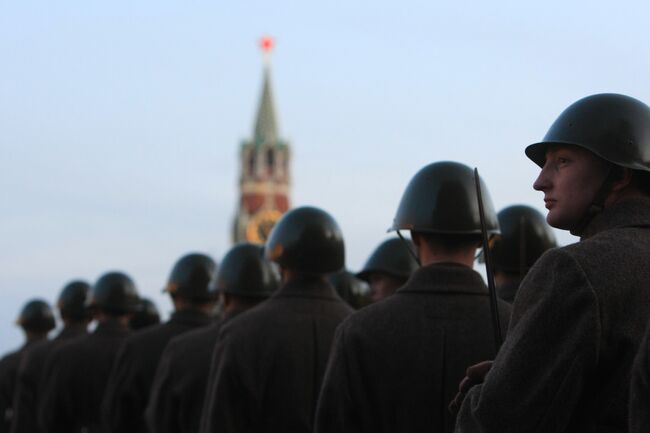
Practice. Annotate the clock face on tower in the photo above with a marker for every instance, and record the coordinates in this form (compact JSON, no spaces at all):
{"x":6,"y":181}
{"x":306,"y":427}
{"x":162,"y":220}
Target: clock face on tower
{"x":260,"y":225}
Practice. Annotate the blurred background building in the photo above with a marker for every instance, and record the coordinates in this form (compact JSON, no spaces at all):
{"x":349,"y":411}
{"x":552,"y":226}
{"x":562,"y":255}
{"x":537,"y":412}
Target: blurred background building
{"x":264,"y":168}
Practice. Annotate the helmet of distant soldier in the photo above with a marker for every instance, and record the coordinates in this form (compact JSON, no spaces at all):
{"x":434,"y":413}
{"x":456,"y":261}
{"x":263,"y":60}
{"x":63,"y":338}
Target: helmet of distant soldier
{"x":191,"y":278}
{"x":350,"y":288}
{"x":146,"y":314}
{"x":391,"y":257}
{"x":441,"y":199}
{"x":72,"y":300}
{"x":308,"y":240}
{"x":245,"y":272}
{"x":525,"y":235}
{"x":614,"y":127}
{"x":115,"y":293}
{"x":36,"y":316}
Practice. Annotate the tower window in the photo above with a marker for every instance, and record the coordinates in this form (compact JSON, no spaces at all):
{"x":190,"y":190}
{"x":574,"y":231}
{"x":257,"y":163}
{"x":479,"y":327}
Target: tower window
{"x":251,"y":163}
{"x":270,"y":159}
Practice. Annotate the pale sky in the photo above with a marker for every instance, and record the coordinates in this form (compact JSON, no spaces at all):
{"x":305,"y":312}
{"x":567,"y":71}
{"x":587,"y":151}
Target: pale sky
{"x":120,"y":122}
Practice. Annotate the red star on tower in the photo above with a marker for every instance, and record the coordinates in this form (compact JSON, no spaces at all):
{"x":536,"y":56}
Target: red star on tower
{"x":267,"y":43}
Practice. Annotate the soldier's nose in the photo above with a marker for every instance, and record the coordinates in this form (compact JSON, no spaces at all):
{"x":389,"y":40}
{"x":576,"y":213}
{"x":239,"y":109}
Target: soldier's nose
{"x":542,"y":182}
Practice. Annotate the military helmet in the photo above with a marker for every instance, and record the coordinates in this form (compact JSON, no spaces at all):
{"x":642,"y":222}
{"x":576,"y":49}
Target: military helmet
{"x":36,"y":316}
{"x":307,"y":239}
{"x":391,"y":257}
{"x":350,"y":288}
{"x":614,"y":127}
{"x":245,"y":272}
{"x":72,"y":300}
{"x":146,"y":314}
{"x":441,"y":198}
{"x":525,"y":235}
{"x":191,"y":277}
{"x":114,"y":292}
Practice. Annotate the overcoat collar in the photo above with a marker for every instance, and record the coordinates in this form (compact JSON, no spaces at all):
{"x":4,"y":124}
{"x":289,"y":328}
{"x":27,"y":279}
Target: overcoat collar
{"x":445,"y":278}
{"x":231,"y":315}
{"x":307,"y":287}
{"x":111,"y":327}
{"x":632,"y":212}
{"x":72,"y":331}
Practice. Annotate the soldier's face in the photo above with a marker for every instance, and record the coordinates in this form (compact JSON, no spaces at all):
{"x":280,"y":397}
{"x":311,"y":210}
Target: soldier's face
{"x":383,"y":285}
{"x":570,"y":179}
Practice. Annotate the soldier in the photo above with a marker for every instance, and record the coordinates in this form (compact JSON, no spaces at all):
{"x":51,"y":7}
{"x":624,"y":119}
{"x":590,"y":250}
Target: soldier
{"x":244,"y":279}
{"x":36,"y":319}
{"x":351,"y":289}
{"x":269,"y":361}
{"x":146,"y":315}
{"x":525,"y":235}
{"x":395,"y":364}
{"x":76,"y":372}
{"x":640,"y":388}
{"x":130,"y":382}
{"x":75,"y":317}
{"x":580,"y":313}
{"x":388,"y":268}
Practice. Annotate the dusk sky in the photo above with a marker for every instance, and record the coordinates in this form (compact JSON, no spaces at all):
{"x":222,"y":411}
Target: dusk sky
{"x":121,"y":121}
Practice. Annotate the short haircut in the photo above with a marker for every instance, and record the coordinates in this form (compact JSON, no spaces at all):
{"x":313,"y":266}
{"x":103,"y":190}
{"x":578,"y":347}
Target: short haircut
{"x":450,"y":242}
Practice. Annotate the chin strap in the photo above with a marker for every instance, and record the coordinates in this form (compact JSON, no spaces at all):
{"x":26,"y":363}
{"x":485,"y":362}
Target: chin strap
{"x":597,"y":204}
{"x":408,"y":247}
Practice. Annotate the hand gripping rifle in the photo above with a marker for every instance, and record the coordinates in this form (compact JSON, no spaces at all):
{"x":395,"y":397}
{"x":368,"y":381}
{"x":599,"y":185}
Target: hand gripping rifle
{"x":496,"y":323}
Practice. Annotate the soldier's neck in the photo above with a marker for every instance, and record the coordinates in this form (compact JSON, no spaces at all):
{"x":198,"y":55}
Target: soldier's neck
{"x":430,"y":256}
{"x":289,"y":275}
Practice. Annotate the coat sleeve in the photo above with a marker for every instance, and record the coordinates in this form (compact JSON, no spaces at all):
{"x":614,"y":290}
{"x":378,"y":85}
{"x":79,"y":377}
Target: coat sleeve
{"x":121,"y":407}
{"x":229,"y":402}
{"x":163,"y":411}
{"x":640,"y":389}
{"x":336,"y":410}
{"x":551,"y":348}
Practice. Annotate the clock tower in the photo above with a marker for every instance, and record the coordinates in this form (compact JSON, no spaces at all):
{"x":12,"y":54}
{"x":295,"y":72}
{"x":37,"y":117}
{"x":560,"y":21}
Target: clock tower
{"x":264,"y":169}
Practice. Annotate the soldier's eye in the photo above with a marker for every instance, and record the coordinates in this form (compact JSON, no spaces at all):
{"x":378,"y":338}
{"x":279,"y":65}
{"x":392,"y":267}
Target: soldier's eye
{"x":561,"y":160}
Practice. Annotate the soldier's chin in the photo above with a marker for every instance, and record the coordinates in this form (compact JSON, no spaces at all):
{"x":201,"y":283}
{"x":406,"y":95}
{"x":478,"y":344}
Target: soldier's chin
{"x":559,"y":221}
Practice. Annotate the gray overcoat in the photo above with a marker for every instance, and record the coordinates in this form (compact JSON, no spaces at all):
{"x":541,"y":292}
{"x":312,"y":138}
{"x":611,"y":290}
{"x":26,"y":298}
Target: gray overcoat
{"x":269,"y":361}
{"x":75,"y":376}
{"x":179,"y":385}
{"x":576,"y":325}
{"x":396,"y":364}
{"x":30,"y":379}
{"x":127,"y":393}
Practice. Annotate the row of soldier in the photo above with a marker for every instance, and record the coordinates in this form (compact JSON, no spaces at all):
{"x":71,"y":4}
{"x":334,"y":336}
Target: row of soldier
{"x":290,"y":355}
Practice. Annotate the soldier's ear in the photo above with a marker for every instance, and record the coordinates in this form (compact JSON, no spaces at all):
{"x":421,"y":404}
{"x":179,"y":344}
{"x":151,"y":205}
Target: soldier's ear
{"x":622,"y":179}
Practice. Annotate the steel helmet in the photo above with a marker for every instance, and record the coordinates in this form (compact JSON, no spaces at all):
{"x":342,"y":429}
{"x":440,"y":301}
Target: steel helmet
{"x":191,"y":277}
{"x":72,"y":300}
{"x":245,"y":272}
{"x":525,"y":235}
{"x":36,"y":316}
{"x":307,"y":239}
{"x":441,"y":198}
{"x":391,"y":257}
{"x":614,"y":127}
{"x":114,"y":292}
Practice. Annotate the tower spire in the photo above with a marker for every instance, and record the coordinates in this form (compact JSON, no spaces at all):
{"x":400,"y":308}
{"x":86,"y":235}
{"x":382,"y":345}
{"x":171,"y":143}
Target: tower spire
{"x":266,"y":130}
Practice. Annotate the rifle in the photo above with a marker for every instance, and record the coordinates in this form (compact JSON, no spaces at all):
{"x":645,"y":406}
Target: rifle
{"x":496,"y":323}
